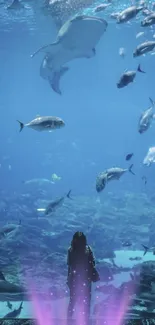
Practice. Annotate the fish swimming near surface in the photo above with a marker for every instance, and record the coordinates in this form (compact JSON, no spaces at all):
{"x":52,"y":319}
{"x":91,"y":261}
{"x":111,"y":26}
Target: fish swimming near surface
{"x":77,"y":38}
{"x":128,"y":77}
{"x":14,"y":313}
{"x":149,"y":20}
{"x":148,"y":249}
{"x":146,"y":118}
{"x":129,"y":156}
{"x":55,"y":204}
{"x":143,"y":48}
{"x":128,"y":14}
{"x":102,"y":7}
{"x":8,"y":287}
{"x":110,"y":174}
{"x":45,"y":123}
{"x":149,"y":159}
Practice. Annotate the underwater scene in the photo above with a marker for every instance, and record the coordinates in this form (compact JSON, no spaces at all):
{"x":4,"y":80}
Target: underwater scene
{"x":77,"y":154}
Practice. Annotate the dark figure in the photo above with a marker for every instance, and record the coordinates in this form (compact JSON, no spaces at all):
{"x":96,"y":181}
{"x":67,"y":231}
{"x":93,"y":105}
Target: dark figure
{"x":81,"y":265}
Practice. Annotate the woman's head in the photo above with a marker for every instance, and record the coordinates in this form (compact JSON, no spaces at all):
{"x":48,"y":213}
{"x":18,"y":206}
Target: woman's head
{"x":79,"y":241}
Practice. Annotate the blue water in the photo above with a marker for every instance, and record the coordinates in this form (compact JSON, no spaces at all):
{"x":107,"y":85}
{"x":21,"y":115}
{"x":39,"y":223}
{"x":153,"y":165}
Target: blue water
{"x":101,"y":120}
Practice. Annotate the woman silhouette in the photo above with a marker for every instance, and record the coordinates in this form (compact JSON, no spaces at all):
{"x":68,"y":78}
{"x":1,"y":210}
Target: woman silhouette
{"x":81,"y":272}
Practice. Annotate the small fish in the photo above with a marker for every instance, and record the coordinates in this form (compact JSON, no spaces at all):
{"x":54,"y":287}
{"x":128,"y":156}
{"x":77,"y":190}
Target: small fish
{"x":139,"y":34}
{"x":45,"y":123}
{"x":15,"y":313}
{"x":148,"y":249}
{"x":126,"y":243}
{"x":122,"y":52}
{"x":9,"y":305}
{"x":129,"y":156}
{"x":150,"y":157}
{"x":128,"y":77}
{"x":5,"y":230}
{"x":137,"y":258}
{"x":56,"y":203}
{"x":102,"y":7}
{"x":146,"y":118}
{"x":144,"y":179}
{"x":149,"y":20}
{"x":113,"y":173}
{"x":128,"y":14}
{"x":144,"y":48}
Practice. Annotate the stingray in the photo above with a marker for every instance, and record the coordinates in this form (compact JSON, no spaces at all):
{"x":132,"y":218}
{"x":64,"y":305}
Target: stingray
{"x":77,"y":38}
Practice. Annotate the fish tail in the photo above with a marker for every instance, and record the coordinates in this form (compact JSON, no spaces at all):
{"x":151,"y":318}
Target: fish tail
{"x":21,"y":305}
{"x":139,"y":69}
{"x":21,"y":125}
{"x":145,"y":249}
{"x":68,"y":195}
{"x":152,"y":101}
{"x":130,"y":169}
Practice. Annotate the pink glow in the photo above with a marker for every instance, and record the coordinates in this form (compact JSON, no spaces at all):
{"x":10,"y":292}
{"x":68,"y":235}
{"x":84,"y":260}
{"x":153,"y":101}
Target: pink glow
{"x":45,"y":316}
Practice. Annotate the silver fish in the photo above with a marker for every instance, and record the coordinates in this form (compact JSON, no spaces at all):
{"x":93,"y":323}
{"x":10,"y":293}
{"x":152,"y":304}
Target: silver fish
{"x":45,"y":123}
{"x":128,"y":77}
{"x":102,"y":7}
{"x":55,"y":204}
{"x":148,"y":21}
{"x":128,"y":14}
{"x":146,"y":118}
{"x":110,"y":174}
{"x":144,"y":48}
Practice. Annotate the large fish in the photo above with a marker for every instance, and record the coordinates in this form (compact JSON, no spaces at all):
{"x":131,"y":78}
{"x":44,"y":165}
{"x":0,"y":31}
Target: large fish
{"x":52,"y":206}
{"x":150,"y":157}
{"x":143,"y":48}
{"x":128,"y":14}
{"x":45,"y":123}
{"x":148,"y":20}
{"x":110,"y":174}
{"x":146,"y":118}
{"x":77,"y":38}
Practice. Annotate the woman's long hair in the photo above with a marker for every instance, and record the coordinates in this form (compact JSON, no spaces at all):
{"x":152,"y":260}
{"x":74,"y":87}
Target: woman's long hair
{"x":79,"y":241}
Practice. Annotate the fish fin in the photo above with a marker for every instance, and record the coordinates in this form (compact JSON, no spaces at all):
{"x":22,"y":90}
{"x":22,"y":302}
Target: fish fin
{"x":55,"y":79}
{"x":21,"y":125}
{"x":51,"y":49}
{"x":130,"y":169}
{"x":152,"y":101}
{"x":68,"y":195}
{"x":145,"y":249}
{"x":21,"y":305}
{"x":2,"y":277}
{"x":139,"y":69}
